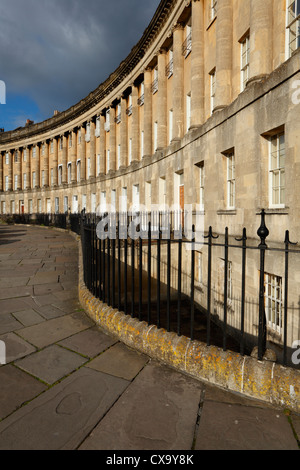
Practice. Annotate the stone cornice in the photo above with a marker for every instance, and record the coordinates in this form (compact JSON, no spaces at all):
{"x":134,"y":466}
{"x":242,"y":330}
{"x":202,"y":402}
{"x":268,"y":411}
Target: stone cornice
{"x":104,"y":89}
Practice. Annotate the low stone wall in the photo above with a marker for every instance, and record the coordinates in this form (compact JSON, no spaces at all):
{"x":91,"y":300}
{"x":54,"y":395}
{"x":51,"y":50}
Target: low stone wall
{"x":262,"y":380}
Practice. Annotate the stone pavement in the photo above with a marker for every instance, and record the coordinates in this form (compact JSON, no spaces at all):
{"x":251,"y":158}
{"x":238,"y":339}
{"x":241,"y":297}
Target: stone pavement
{"x":68,"y":385}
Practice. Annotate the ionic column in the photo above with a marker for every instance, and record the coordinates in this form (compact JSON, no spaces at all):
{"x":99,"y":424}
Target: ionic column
{"x":224,"y":30}
{"x":55,"y":161}
{"x":135,"y":124}
{"x":102,"y":145}
{"x":10,"y":171}
{"x":46,"y":164}
{"x":112,"y":140}
{"x":92,"y":155}
{"x":18,"y":169}
{"x":261,"y":33}
{"x":37,"y":165}
{"x":162,"y":101}
{"x":27,"y":168}
{"x":64,"y":158}
{"x":73,"y":156}
{"x":177,"y":98}
{"x":83,"y":153}
{"x":147,"y":112}
{"x":123,"y":134}
{"x":197,"y":64}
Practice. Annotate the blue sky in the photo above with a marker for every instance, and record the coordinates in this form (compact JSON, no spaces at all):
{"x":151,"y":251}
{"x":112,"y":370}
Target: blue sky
{"x":54,"y":52}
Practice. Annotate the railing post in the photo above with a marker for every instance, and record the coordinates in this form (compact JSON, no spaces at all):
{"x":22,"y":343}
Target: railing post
{"x":192,"y":283}
{"x":149,"y":273}
{"x":244,"y":248}
{"x":225,"y":288}
{"x":287,"y":242}
{"x":210,"y":237}
{"x":263,"y":233}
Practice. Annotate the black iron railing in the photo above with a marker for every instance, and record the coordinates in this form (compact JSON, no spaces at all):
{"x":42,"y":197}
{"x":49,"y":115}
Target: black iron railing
{"x":136,"y":275}
{"x":151,"y":272}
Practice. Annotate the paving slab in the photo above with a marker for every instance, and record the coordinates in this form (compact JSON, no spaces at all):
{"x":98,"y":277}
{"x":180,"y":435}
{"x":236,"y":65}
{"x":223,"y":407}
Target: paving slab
{"x":89,"y":343}
{"x":15,"y":305}
{"x":54,"y":330}
{"x":16,"y":292}
{"x":119,"y":361}
{"x":226,"y":426}
{"x":16,"y":281}
{"x":17,"y":388}
{"x":16,"y":347}
{"x":45,"y":289}
{"x":49,"y":311}
{"x":28,"y":317}
{"x":8,"y":323}
{"x":44,"y":277}
{"x":158,"y":411}
{"x":64,"y":415}
{"x":51,"y":364}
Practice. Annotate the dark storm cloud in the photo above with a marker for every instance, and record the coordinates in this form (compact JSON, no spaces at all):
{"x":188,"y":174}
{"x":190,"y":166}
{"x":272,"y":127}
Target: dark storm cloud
{"x":57,"y":51}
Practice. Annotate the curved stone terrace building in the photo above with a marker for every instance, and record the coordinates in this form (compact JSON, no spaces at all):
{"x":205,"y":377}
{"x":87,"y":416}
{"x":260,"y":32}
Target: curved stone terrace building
{"x":203,"y":111}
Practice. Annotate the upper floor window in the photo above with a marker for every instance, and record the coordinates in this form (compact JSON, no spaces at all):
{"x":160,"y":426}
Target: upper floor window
{"x":293,"y":26}
{"x":187,"y":44}
{"x":51,"y":146}
{"x":88,"y":132}
{"x":212,"y":90}
{"x":277,"y":170}
{"x":169,"y":66}
{"x":97,"y":129}
{"x":60,"y":143}
{"x":141,"y":98}
{"x":34,"y":152}
{"x":7,"y":158}
{"x":107,"y":120}
{"x":154,"y":87}
{"x":129,"y":108}
{"x":213,"y":9}
{"x":245,"y":56}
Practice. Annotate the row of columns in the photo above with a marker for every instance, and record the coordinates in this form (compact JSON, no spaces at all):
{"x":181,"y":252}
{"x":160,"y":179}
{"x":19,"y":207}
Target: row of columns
{"x":260,"y":66}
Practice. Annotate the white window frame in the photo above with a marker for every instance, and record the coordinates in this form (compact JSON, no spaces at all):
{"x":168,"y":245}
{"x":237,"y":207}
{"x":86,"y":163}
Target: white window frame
{"x":273,"y":301}
{"x":188,"y":111}
{"x":277,"y":171}
{"x":231,"y":190}
{"x":170,"y":125}
{"x":24,"y":181}
{"x":155,"y":132}
{"x":292,"y":21}
{"x":33,"y":179}
{"x":212,"y":90}
{"x":213,"y":9}
{"x":69,"y":172}
{"x":6,"y":183}
{"x":16,"y":183}
{"x":201,"y":185}
{"x":78,"y":171}
{"x":103,"y":202}
{"x":245,"y":61}
{"x":59,"y":173}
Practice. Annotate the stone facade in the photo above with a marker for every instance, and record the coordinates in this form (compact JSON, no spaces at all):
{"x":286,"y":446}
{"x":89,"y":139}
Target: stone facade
{"x":205,"y":110}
